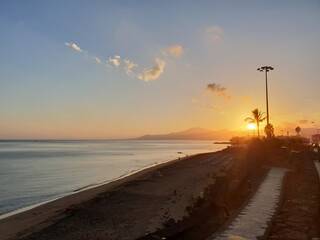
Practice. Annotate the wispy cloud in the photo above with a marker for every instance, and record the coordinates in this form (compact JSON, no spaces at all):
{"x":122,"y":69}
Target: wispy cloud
{"x":97,"y":59}
{"x":77,"y":48}
{"x":129,"y":65}
{"x":74,"y":46}
{"x":115,"y":60}
{"x":218,"y":90}
{"x":175,"y":50}
{"x":214,"y":29}
{"x":303,"y":121}
{"x":214,"y":32}
{"x":154,"y":72}
{"x":246,"y":99}
{"x":211,"y":107}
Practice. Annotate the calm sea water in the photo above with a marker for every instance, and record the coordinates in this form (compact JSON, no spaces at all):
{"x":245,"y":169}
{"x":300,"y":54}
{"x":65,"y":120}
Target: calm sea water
{"x":33,"y":172}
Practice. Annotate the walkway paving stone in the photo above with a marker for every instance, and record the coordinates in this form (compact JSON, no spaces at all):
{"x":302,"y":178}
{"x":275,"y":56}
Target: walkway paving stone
{"x":252,"y":220}
{"x":298,"y":217}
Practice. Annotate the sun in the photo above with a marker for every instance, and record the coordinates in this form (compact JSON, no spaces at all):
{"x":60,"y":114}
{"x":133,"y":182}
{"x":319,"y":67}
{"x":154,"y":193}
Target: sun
{"x":251,"y":126}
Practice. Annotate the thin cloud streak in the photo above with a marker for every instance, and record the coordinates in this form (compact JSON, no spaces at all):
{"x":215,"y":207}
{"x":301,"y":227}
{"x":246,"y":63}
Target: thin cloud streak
{"x":303,"y":121}
{"x":74,"y":46}
{"x":214,"y":28}
{"x":175,"y":50}
{"x":128,"y":66}
{"x":97,"y":59}
{"x":214,"y":32}
{"x":246,"y":99}
{"x":211,"y":107}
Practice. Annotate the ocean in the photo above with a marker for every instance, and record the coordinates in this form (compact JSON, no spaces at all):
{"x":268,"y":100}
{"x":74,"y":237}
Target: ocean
{"x":33,"y":172}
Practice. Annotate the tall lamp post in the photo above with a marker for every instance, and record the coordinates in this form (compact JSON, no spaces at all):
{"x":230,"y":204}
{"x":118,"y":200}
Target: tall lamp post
{"x":266,"y":69}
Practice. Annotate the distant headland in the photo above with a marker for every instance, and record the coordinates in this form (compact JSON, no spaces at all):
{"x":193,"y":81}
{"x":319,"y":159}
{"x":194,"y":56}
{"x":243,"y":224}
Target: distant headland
{"x":194,"y":134}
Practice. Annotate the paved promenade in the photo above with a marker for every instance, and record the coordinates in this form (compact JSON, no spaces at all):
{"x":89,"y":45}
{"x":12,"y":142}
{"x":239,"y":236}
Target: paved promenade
{"x":252,"y":220}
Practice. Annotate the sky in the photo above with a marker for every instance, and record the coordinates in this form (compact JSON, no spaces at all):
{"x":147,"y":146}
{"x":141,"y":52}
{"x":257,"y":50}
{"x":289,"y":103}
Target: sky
{"x":120,"y":69}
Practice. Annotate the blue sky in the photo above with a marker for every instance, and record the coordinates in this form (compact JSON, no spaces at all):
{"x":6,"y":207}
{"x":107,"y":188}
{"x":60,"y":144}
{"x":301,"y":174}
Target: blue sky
{"x":50,"y":88}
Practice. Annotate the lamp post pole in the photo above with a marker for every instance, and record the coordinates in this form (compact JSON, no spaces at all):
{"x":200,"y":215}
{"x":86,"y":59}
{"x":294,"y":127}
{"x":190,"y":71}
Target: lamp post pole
{"x":266,"y":69}
{"x":267,"y":97}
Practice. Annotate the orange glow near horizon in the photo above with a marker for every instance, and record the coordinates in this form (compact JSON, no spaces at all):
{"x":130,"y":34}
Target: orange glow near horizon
{"x":251,"y":126}
{"x":201,"y":76}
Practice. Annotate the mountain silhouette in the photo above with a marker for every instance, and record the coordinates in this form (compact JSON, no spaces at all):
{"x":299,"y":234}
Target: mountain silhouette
{"x":193,"y":134}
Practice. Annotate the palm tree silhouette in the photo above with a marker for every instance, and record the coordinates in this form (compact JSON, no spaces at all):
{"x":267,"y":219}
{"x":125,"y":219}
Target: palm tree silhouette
{"x":257,"y":117}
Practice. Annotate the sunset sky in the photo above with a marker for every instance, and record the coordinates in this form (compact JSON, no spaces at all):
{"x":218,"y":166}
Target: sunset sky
{"x":119,"y":69}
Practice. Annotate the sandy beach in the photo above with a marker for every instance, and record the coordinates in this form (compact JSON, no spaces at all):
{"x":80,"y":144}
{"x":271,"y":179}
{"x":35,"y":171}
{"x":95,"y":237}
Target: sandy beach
{"x":152,"y":203}
{"x":125,"y":209}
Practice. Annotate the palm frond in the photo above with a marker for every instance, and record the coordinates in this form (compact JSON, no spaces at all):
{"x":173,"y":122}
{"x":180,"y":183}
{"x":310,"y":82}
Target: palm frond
{"x":250,"y":120}
{"x":262,"y":119}
{"x":257,"y":116}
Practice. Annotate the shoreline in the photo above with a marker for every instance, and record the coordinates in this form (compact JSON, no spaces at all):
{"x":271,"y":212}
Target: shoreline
{"x":27,"y":208}
{"x":91,"y":186}
{"x":26,"y":191}
{"x":37,"y":217}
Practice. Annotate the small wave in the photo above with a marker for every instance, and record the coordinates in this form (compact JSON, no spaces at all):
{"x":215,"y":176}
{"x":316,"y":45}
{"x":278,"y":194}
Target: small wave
{"x":87,"y":186}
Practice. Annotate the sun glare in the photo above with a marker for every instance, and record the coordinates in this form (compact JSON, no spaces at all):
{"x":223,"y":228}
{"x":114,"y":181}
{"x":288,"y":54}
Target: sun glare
{"x":251,"y":126}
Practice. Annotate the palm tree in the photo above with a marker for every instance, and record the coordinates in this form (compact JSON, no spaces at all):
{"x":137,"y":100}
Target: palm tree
{"x":269,"y":130}
{"x":257,"y":117}
{"x":298,"y":130}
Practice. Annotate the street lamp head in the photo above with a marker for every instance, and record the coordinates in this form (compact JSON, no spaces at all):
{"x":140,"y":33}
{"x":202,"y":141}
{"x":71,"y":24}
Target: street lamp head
{"x":267,"y":68}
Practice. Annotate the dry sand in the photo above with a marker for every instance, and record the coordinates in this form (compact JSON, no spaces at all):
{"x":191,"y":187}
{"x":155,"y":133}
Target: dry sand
{"x":124,"y":209}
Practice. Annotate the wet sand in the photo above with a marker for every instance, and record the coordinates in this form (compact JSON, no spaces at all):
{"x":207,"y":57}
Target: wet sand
{"x":125,"y":209}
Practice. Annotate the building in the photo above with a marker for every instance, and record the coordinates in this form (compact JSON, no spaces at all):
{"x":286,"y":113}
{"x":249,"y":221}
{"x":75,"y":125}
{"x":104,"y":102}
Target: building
{"x":316,"y":138}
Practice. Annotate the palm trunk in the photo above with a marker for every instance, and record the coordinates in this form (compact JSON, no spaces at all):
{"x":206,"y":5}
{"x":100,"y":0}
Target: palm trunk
{"x":258,"y":129}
